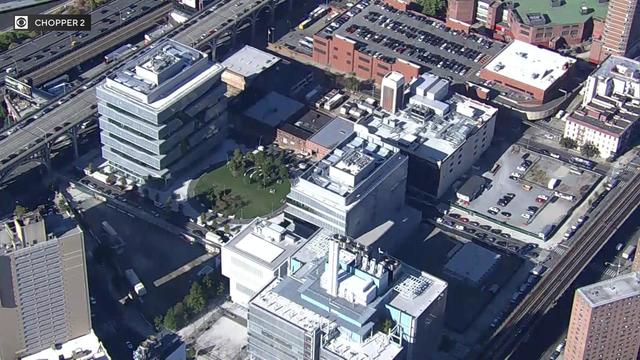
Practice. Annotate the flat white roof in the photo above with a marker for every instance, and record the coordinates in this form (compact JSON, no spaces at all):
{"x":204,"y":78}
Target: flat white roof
{"x":530,"y":64}
{"x":89,"y":345}
{"x":250,"y":61}
{"x":612,"y":290}
{"x":260,"y":248}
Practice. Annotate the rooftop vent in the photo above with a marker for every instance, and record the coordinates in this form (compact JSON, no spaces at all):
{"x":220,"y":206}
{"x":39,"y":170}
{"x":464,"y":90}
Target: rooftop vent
{"x":556,"y":3}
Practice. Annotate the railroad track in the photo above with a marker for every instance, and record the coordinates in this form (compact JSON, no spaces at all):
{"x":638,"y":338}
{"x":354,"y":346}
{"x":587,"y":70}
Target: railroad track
{"x":599,"y":230}
{"x":85,"y":53}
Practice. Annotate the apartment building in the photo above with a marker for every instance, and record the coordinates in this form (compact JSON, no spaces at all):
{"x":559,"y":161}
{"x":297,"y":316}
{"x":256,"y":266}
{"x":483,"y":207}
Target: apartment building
{"x":44,"y":296}
{"x":392,"y":92}
{"x":610,"y":110}
{"x":620,"y":34}
{"x":605,"y":320}
{"x":160,"y":112}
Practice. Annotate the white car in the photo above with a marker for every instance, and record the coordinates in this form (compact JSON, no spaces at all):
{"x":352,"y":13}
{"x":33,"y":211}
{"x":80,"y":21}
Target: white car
{"x":526,"y":216}
{"x":554,"y":155}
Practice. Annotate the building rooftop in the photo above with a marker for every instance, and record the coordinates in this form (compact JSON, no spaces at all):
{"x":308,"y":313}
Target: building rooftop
{"x":612,"y":115}
{"x":420,"y":130}
{"x":347,"y":165}
{"x":265,"y":242}
{"x":312,"y":121}
{"x":335,"y":132}
{"x":619,"y":67}
{"x":614,"y":289}
{"x":274,"y":109}
{"x":534,"y":66}
{"x":82,"y":348}
{"x":472,"y":262}
{"x":160,"y":347}
{"x":365,"y":286}
{"x":471,"y":186}
{"x":162,"y":74}
{"x":250,"y":61}
{"x":542,"y":12}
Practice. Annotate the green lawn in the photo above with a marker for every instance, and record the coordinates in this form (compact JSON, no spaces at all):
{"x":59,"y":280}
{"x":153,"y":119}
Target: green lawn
{"x":260,"y":201}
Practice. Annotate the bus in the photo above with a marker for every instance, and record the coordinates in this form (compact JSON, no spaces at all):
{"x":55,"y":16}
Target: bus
{"x":303,"y":25}
{"x":119,"y":52}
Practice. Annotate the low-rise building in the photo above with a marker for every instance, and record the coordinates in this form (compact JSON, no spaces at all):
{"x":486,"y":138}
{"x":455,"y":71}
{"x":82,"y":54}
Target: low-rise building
{"x":164,"y":346}
{"x":255,"y":256}
{"x":243,"y":66}
{"x":84,"y":347}
{"x":314,"y":134}
{"x":334,"y":301}
{"x":610,"y":111}
{"x":534,"y":72}
{"x":442,"y":135}
{"x":472,"y":263}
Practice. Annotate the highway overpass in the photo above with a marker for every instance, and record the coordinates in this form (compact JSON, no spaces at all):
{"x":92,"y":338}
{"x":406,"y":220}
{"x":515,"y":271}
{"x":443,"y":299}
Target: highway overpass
{"x":44,"y":49}
{"x":32,"y":143}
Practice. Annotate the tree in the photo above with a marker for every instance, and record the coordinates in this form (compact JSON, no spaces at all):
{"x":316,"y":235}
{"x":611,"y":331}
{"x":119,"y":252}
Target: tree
{"x":589,"y":150}
{"x":221,"y":288}
{"x":351,"y":83}
{"x":431,"y":7}
{"x":568,"y":143}
{"x":283,"y":173}
{"x":208,"y":283}
{"x":180,"y":314}
{"x":19,"y":211}
{"x":169,"y":321}
{"x":158,"y":322}
{"x":236,"y":163}
{"x":203,"y":217}
{"x":226,"y":228}
{"x":386,"y":326}
{"x":123,"y":182}
{"x":195,"y":300}
{"x":90,"y":167}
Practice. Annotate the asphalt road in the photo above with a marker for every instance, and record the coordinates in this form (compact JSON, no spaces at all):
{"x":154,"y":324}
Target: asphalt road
{"x":51,"y":125}
{"x":217,"y":19}
{"x":51,"y":46}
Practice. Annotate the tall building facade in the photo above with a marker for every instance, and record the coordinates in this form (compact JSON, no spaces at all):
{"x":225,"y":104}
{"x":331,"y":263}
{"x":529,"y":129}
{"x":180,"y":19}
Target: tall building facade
{"x":621,"y":29}
{"x":44,"y":296}
{"x":605,"y":320}
{"x":161,"y":112}
{"x":392,"y":92}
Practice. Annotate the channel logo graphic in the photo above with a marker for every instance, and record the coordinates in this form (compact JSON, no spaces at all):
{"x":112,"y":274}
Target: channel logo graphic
{"x":52,"y":22}
{"x":21,"y":22}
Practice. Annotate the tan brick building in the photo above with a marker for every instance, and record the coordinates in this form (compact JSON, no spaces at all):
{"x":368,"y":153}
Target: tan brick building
{"x":605,"y":320}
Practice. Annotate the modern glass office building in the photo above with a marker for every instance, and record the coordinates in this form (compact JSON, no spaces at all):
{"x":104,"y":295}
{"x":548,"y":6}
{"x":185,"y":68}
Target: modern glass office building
{"x":161,"y":111}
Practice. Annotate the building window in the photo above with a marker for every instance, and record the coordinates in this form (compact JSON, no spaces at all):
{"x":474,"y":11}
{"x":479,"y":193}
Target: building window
{"x":335,"y":57}
{"x":363,"y":68}
{"x":319,"y":51}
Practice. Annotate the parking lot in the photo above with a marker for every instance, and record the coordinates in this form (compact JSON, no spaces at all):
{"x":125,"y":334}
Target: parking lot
{"x":518,"y":195}
{"x":388,"y":34}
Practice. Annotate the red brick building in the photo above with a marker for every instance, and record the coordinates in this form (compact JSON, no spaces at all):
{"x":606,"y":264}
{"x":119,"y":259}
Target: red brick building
{"x":314,"y":134}
{"x":551,"y":23}
{"x":342,"y":54}
{"x":535,"y":72}
{"x":461,"y":14}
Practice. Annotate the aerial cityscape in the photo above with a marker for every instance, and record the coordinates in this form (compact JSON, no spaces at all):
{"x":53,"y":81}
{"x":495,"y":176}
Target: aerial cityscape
{"x":320,"y":179}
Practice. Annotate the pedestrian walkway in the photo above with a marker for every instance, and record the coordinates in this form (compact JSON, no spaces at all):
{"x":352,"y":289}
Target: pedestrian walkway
{"x":183,"y":269}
